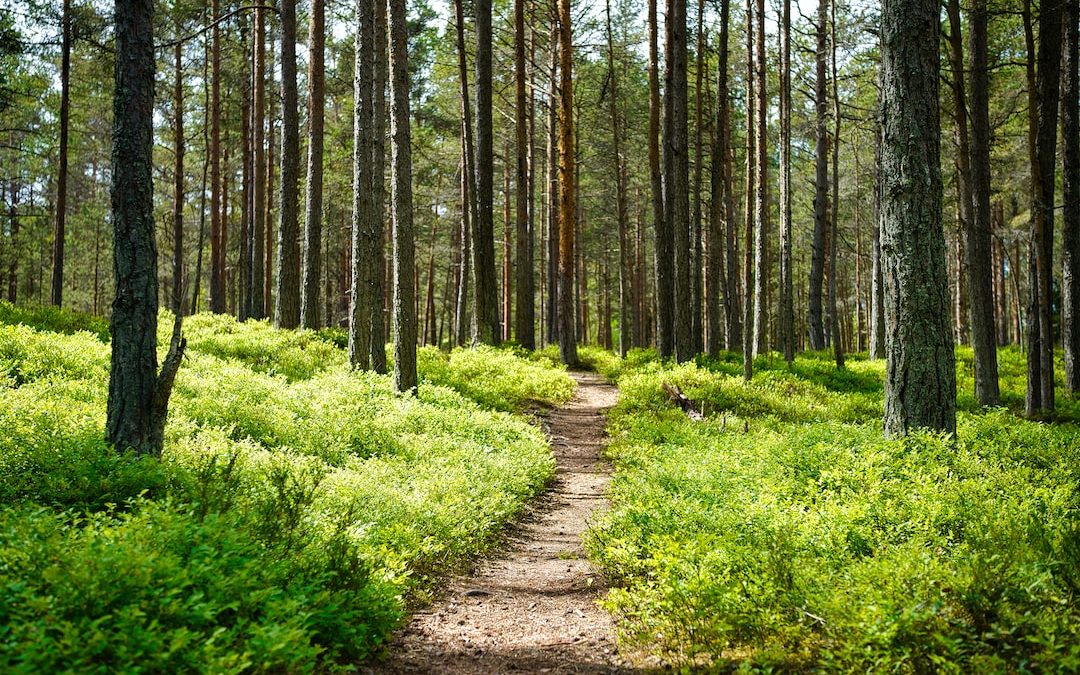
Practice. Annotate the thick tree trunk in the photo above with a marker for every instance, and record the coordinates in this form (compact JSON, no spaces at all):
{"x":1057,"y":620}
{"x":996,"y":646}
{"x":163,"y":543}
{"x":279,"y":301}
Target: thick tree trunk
{"x":256,"y":275}
{"x":761,"y":196}
{"x":401,"y":199}
{"x":381,"y":274}
{"x":979,"y":230}
{"x":138,"y":393}
{"x":364,"y":263}
{"x":1070,"y":219}
{"x":664,"y":251}
{"x":287,"y":291}
{"x":719,"y":217}
{"x":312,"y":262}
{"x":524,"y":327}
{"x":59,"y":231}
{"x":677,"y":172}
{"x":486,"y":300}
{"x":701,"y":67}
{"x":920,"y":375}
{"x":567,"y":176}
{"x":787,"y":302}
{"x":821,"y":183}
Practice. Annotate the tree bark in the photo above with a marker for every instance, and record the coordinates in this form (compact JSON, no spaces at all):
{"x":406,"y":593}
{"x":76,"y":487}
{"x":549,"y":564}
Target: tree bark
{"x":287,"y":291}
{"x":627,"y":318}
{"x":402,"y":201}
{"x":364,"y":270}
{"x":524,"y":327}
{"x":217,"y":247}
{"x":664,"y":251}
{"x":834,"y":215}
{"x":486,"y":300}
{"x":177,"y":297}
{"x":749,"y":200}
{"x":677,"y":172}
{"x":761,"y":196}
{"x":312,"y":262}
{"x":138,"y":393}
{"x":920,"y":375}
{"x":462,"y":324}
{"x":553,"y":187}
{"x":877,"y":282}
{"x":381,"y":273}
{"x":979,"y":231}
{"x":59,"y":231}
{"x":787,"y":302}
{"x":567,"y":176}
{"x":1070,"y":219}
{"x":256,"y":274}
{"x":701,"y":66}
{"x":821,"y":183}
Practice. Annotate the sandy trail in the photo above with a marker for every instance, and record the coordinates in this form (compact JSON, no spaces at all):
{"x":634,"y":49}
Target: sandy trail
{"x":532,"y":608}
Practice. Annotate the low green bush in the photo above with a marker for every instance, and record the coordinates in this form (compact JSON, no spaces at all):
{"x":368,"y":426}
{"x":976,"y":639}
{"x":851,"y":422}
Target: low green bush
{"x":783,"y":532}
{"x":297,"y":507}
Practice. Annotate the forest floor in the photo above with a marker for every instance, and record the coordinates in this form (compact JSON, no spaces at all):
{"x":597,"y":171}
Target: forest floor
{"x":532,"y":608}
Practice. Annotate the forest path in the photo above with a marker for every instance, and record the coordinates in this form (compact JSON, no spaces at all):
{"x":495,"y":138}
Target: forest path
{"x":533,"y":607}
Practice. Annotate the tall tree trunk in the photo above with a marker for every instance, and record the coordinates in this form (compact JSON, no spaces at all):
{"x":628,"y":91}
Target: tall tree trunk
{"x":553,"y":187}
{"x":1044,"y":96}
{"x":761,"y":202}
{"x":196,"y":287}
{"x":749,"y":201}
{"x":287,"y":291}
{"x":364,"y":269}
{"x":877,"y":282}
{"x":627,"y":319}
{"x":920,"y":375}
{"x":567,"y":175}
{"x":524,"y":328}
{"x":59,"y":230}
{"x":177,"y":297}
{"x":381,"y":275}
{"x":701,"y":67}
{"x":217,"y":247}
{"x":256,"y":309}
{"x":247,"y":215}
{"x":677,"y":171}
{"x":138,"y":393}
{"x":316,"y":103}
{"x":664,"y":252}
{"x":401,"y":199}
{"x":821,"y":182}
{"x":834,"y":215}
{"x":722,"y":158}
{"x":787,"y":302}
{"x":462,"y":324}
{"x":507,"y":310}
{"x":486,"y":301}
{"x":1070,"y":218}
{"x":979,"y":227}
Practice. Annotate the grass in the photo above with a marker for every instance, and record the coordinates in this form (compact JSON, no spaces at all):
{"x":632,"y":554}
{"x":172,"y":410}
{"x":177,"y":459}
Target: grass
{"x":783,"y":532}
{"x":297,"y":509}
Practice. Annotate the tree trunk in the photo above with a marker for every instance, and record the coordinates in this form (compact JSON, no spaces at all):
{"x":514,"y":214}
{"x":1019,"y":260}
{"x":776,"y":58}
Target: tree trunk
{"x":287,"y":291}
{"x":877,"y":282}
{"x":62,"y":167}
{"x":524,"y":328}
{"x":627,"y":319}
{"x":256,"y":309}
{"x":749,"y":201}
{"x":381,"y":272}
{"x":312,"y":262}
{"x":462,"y":323}
{"x":834,"y":215}
{"x":138,"y":393}
{"x":1070,"y":219}
{"x":507,"y":309}
{"x":920,"y":375}
{"x":821,"y":183}
{"x":364,"y":270}
{"x":217,"y":248}
{"x":701,"y":66}
{"x":247,"y":215}
{"x":177,"y":298}
{"x":486,"y":301}
{"x":1043,"y":99}
{"x":664,"y":251}
{"x":677,"y":172}
{"x":979,"y":229}
{"x":567,"y":335}
{"x":761,"y":201}
{"x":401,"y":199}
{"x":787,"y":303}
{"x":553,"y":188}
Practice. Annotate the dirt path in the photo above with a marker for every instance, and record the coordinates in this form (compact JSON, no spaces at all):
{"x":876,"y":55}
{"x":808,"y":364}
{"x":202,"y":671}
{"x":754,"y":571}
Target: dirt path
{"x":534,"y":608}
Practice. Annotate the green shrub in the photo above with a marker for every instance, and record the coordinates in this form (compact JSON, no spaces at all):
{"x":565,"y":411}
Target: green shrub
{"x":296,"y":507}
{"x":783,"y":532}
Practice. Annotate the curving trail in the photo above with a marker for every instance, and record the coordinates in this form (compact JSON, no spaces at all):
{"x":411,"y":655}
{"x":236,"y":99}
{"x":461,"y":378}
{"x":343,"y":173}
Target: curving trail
{"x":532,"y":609}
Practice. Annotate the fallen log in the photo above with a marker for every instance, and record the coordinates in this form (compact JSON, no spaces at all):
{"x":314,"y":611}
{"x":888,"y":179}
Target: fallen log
{"x":680,"y":399}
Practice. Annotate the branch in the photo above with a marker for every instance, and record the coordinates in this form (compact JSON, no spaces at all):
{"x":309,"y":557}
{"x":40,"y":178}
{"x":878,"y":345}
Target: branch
{"x":215,"y":22}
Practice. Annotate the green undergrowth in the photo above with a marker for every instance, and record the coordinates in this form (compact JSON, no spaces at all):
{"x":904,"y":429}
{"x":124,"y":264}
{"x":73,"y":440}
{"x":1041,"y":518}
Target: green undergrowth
{"x":783,"y":533}
{"x":298,"y":507}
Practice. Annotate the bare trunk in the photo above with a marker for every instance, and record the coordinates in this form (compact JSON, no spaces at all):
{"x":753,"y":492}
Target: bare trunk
{"x":567,"y":337}
{"x":821,"y":184}
{"x":524,"y":329}
{"x":1070,"y":219}
{"x":316,"y":103}
{"x":664,"y":251}
{"x":59,"y":231}
{"x":486,"y":300}
{"x":787,"y":303}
